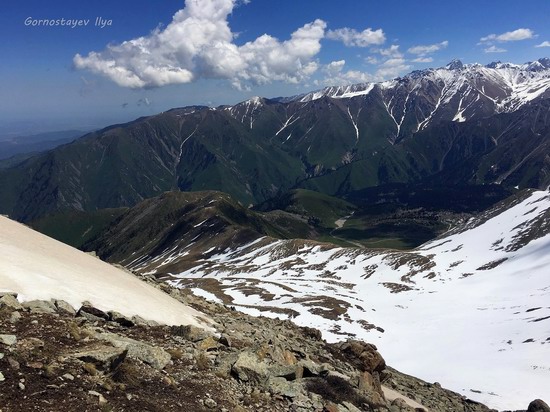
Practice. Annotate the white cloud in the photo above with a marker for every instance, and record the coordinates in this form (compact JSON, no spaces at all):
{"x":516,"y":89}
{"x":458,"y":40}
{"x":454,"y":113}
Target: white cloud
{"x":392,"y":51}
{"x":495,"y":49}
{"x":423,"y":50}
{"x":423,"y":60}
{"x":371,"y":60}
{"x":354,"y":38}
{"x":392,"y":68}
{"x":515,"y":35}
{"x":336,"y":76}
{"x":198,"y":43}
{"x":544,"y":44}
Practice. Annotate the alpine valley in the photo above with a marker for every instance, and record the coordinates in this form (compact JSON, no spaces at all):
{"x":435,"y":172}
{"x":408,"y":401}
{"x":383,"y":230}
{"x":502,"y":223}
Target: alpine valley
{"x":412,"y":213}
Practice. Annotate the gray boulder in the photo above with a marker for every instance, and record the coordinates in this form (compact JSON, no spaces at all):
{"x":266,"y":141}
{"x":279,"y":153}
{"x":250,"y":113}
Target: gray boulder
{"x":249,"y":368}
{"x":10,"y":301}
{"x":155,"y":356}
{"x":105,"y":358}
{"x":40,"y":306}
{"x":8,"y":340}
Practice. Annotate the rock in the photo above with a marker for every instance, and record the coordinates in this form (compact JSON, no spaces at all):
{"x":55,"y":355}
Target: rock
{"x":155,"y":356}
{"x":13,"y":364}
{"x":208,"y":344}
{"x":138,"y":320}
{"x":371,"y":387}
{"x":288,"y":372}
{"x":88,"y":311}
{"x":8,"y":340}
{"x":399,"y":405}
{"x":40,"y":306}
{"x":190,"y":332}
{"x":350,"y":407}
{"x":312,"y":332}
{"x":105,"y":358}
{"x":210,"y":403}
{"x":2,"y":378}
{"x":121,"y":319}
{"x":15,"y":317}
{"x":68,"y":377}
{"x":311,"y":368}
{"x":101,"y":398}
{"x":364,"y":355}
{"x":21,"y":386}
{"x":64,"y":308}
{"x":280,"y":386}
{"x":224,"y":340}
{"x":10,"y":301}
{"x":538,"y":405}
{"x":248,"y":368}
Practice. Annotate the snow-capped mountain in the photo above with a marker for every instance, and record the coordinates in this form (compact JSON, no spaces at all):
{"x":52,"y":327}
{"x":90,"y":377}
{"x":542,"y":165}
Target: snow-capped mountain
{"x":469,"y":309}
{"x":456,"y":92}
{"x":36,"y":267}
{"x":459,"y":124}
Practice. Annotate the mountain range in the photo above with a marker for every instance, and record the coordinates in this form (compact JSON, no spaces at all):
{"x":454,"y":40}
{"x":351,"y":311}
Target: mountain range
{"x":459,"y":124}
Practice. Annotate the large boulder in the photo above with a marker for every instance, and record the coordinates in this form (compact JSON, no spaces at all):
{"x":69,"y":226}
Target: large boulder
{"x":40,"y":306}
{"x":538,"y":405}
{"x":105,"y":358}
{"x":364,"y":356}
{"x":155,"y":356}
{"x":10,"y":301}
{"x":249,"y":368}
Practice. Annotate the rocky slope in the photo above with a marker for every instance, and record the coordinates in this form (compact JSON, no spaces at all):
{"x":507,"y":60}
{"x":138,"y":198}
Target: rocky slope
{"x":466,"y":124}
{"x":54,"y":358}
{"x":484,"y":283}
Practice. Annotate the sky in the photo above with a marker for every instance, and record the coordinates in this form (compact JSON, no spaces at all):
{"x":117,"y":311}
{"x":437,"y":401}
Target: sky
{"x":84,"y":65}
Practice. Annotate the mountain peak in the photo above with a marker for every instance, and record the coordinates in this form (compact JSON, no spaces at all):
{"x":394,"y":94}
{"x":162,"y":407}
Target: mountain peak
{"x":455,"y":64}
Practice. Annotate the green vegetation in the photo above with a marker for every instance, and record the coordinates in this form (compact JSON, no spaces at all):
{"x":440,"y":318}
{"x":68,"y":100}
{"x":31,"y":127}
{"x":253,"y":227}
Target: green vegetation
{"x":76,"y":228}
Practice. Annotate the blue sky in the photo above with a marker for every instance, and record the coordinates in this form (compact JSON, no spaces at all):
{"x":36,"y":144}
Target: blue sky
{"x":151,"y":56}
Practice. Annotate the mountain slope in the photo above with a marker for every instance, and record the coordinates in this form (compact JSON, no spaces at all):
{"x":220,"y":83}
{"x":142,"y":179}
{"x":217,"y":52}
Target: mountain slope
{"x":37,"y":267}
{"x":174,"y":230}
{"x":481,"y":289}
{"x":467,"y":124}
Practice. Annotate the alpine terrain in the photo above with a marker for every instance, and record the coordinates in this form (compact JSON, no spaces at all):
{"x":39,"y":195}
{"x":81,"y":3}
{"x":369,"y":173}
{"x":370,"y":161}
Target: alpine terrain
{"x":259,"y":246}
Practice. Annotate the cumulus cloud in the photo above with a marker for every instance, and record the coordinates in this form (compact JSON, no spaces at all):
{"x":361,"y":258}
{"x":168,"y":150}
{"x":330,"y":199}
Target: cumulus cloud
{"x":391,"y":68}
{"x":544,"y":44}
{"x":392,"y":51}
{"x":424,"y":50}
{"x":495,"y":49}
{"x":354,"y":38}
{"x":198,"y":43}
{"x":515,"y":35}
{"x":335,"y":75}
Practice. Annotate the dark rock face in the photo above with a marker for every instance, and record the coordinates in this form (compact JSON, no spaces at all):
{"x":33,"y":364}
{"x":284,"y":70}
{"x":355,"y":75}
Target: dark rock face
{"x":538,"y":405}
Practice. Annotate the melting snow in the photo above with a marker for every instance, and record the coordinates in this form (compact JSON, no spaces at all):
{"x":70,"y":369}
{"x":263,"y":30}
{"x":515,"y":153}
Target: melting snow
{"x":457,"y":310}
{"x":37,"y":267}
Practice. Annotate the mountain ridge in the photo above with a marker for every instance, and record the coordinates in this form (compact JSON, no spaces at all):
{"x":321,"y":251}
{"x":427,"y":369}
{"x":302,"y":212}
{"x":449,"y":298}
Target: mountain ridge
{"x":261,"y":147}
